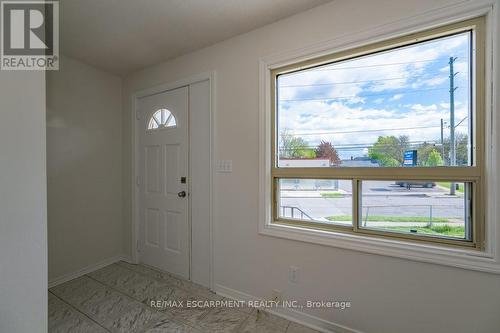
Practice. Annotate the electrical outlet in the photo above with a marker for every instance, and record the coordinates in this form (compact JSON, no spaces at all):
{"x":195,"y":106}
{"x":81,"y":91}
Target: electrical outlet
{"x":277,"y":295}
{"x":293,"y":274}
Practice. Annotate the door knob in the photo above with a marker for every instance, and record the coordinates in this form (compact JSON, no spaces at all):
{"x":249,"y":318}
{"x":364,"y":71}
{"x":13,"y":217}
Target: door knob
{"x":181,"y":194}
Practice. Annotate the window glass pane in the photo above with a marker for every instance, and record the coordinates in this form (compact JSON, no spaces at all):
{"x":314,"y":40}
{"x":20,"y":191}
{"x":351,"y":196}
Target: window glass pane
{"x":424,"y":208}
{"x":409,"y":106}
{"x":162,"y":118}
{"x":326,"y":201}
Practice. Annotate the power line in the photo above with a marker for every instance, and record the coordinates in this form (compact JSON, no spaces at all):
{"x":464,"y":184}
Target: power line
{"x":335,"y":83}
{"x":461,"y":121}
{"x":368,"y":66}
{"x":361,"y":96}
{"x":369,"y":130}
{"x":351,"y":82}
{"x":322,"y":67}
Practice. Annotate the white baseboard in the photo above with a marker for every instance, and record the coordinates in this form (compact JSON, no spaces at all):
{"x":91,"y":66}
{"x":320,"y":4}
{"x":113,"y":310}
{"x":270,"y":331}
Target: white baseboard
{"x":85,"y":270}
{"x":299,"y":317}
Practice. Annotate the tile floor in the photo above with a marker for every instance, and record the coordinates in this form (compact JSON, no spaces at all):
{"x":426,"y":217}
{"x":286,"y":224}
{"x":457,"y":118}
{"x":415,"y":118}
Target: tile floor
{"x":116,"y":298}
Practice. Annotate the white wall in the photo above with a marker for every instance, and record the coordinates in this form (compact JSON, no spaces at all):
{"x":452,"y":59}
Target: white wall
{"x":388,"y":295}
{"x":84,"y":137}
{"x":23,"y":214}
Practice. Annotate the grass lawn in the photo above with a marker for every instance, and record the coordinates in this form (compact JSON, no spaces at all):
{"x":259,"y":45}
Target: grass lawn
{"x":446,"y":230}
{"x":381,"y":218}
{"x":447,"y":186}
{"x":332,"y":195}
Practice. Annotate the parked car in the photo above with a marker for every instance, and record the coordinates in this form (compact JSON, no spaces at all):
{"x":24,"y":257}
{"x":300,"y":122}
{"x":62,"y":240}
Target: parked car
{"x":416,"y":183}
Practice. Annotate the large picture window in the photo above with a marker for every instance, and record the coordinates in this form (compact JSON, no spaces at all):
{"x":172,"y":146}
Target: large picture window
{"x":385,"y":140}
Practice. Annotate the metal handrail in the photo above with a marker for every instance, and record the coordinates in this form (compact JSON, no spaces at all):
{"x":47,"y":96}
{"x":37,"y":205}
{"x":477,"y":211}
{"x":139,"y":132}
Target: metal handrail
{"x":292,"y":212}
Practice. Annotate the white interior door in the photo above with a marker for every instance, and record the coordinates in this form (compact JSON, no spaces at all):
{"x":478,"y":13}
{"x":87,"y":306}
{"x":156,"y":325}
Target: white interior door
{"x":162,"y":182}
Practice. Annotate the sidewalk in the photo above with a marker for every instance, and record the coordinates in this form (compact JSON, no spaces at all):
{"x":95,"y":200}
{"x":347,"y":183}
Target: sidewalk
{"x":407,"y":224}
{"x":317,"y":194}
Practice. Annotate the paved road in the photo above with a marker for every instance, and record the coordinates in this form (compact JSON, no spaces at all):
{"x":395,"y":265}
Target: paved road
{"x":382,"y":198}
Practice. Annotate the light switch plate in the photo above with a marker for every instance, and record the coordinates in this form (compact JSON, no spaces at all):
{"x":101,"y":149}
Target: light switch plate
{"x":224,"y":166}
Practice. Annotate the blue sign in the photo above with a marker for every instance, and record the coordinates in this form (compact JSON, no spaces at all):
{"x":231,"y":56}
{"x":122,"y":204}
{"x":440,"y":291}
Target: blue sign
{"x":410,"y":158}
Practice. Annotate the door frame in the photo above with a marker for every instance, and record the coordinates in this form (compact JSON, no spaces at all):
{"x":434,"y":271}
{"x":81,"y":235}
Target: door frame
{"x":210,"y":76}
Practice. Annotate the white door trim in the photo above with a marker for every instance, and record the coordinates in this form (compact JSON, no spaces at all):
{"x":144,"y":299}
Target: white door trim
{"x":210,"y":76}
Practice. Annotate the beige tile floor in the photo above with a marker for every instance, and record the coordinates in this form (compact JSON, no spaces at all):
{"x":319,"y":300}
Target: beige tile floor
{"x":117,"y":298}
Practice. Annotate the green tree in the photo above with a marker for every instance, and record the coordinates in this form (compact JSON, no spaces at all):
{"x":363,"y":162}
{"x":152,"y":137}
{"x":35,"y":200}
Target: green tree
{"x":423,"y":153}
{"x":389,"y":150}
{"x":294,"y":147}
{"x":434,"y":159}
{"x":327,"y":150}
{"x":306,"y":153}
{"x":462,"y":149}
{"x":389,"y":162}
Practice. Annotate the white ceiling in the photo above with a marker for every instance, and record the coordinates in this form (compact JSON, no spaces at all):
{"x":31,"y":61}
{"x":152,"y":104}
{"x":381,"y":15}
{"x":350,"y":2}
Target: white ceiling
{"x":122,"y":36}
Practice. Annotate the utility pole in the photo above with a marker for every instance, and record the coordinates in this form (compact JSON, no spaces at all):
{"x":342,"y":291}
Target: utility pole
{"x":453,"y":155}
{"x":442,"y":138}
